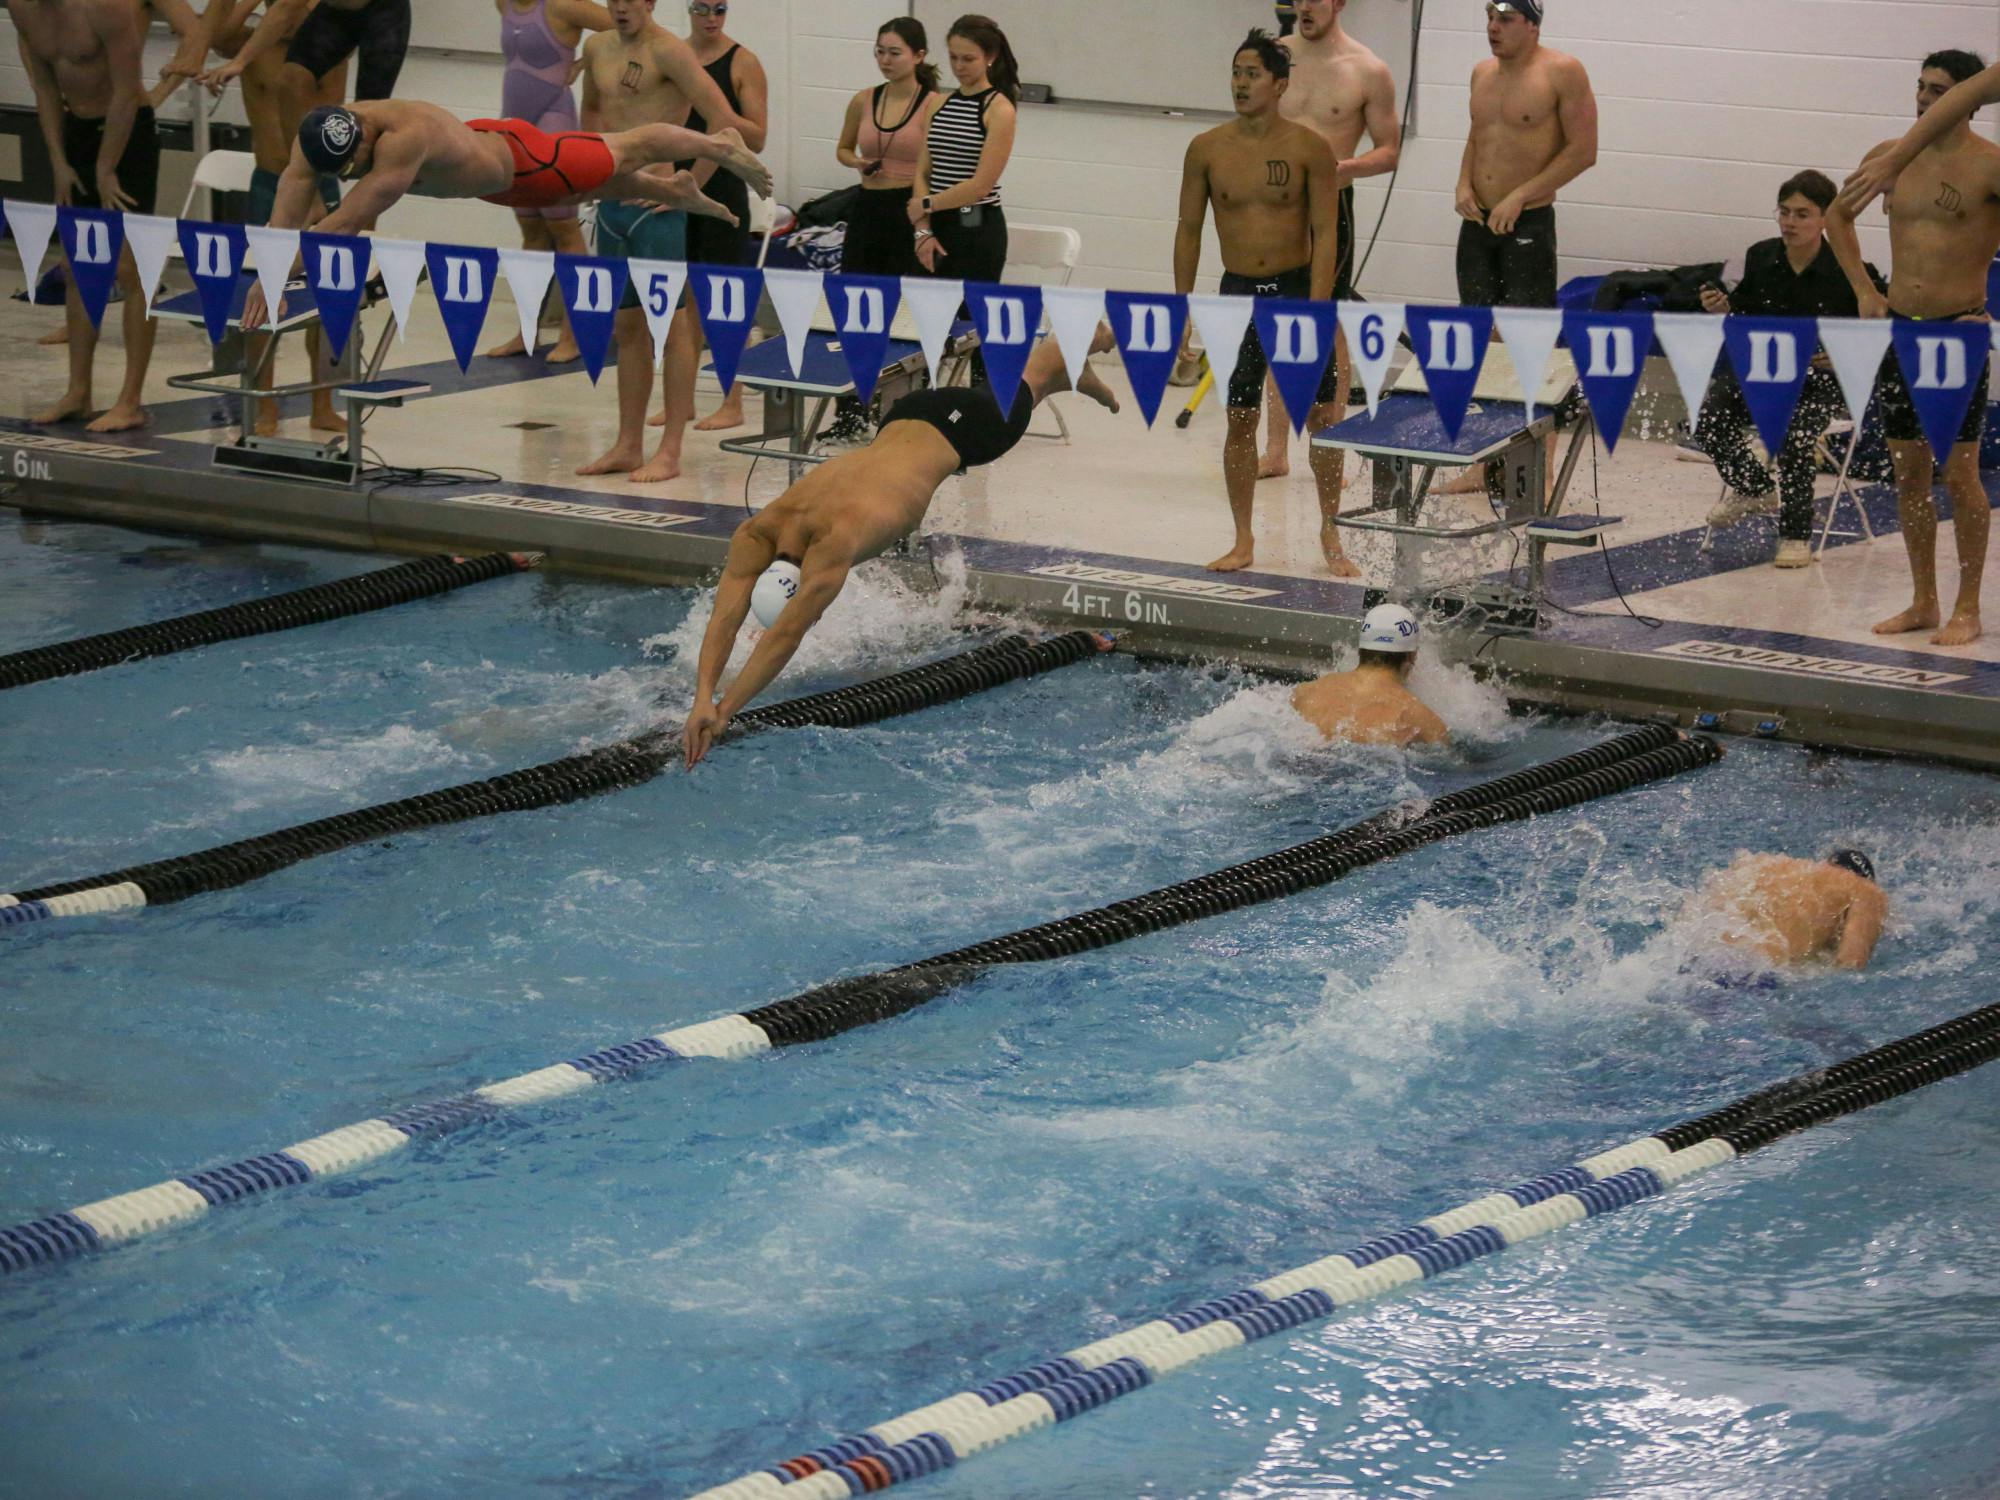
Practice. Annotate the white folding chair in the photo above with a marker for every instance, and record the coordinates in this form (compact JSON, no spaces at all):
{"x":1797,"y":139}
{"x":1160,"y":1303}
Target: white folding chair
{"x":219,"y":172}
{"x":1843,"y":489}
{"x":1053,"y":250}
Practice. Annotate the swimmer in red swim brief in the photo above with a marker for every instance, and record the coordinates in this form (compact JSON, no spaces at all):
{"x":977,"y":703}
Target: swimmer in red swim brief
{"x":392,"y":147}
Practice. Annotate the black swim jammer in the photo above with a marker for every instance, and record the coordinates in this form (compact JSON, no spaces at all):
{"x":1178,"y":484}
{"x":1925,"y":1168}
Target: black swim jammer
{"x":969,"y":420}
{"x":1246,"y":386}
{"x":1900,"y":422}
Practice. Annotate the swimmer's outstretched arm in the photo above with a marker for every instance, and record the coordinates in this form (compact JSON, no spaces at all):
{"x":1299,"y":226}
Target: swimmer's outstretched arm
{"x":818,"y":588}
{"x":1862,"y":929}
{"x":749,"y":556}
{"x":1878,"y":174}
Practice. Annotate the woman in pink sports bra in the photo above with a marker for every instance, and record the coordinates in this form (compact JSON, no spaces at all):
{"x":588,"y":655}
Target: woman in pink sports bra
{"x":539,"y":39}
{"x":882,"y":139}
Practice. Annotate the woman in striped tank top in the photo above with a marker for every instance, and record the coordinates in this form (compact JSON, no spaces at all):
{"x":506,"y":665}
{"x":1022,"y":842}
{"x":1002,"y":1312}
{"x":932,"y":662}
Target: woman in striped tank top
{"x":960,"y":229}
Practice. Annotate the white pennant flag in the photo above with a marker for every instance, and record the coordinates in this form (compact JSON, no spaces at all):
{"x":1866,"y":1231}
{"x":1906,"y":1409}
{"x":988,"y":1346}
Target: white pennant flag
{"x":1996,"y":340}
{"x":1074,"y":313}
{"x":152,"y":240}
{"x":1693,"y":342}
{"x":528,"y":274}
{"x":275,"y":251}
{"x":796,"y":296}
{"x":1856,"y":346}
{"x":401,"y":263}
{"x":31,"y":224}
{"x":1530,"y":335}
{"x":934,"y":304}
{"x":1373,"y":331}
{"x":1221,"y":322}
{"x":659,"y":284}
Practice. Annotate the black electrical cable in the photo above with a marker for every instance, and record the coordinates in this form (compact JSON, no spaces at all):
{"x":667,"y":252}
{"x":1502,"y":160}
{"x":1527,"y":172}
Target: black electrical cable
{"x":382,"y":589}
{"x":608,"y":768}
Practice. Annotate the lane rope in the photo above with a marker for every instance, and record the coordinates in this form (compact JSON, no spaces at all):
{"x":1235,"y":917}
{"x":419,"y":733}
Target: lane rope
{"x":608,"y":768}
{"x":842,"y":1006}
{"x":944,"y":1433}
{"x":359,"y":595}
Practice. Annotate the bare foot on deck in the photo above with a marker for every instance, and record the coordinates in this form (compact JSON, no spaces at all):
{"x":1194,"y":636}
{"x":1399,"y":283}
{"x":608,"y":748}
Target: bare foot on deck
{"x":661,"y":468}
{"x":719,"y":420}
{"x":564,"y":353}
{"x":1234,"y":560}
{"x":326,"y":419}
{"x":57,"y":335}
{"x":267,"y":419}
{"x":508,"y":350}
{"x":124,"y":418}
{"x":73,"y":404}
{"x":1275,"y":465}
{"x":1339,"y":564}
{"x":1962,"y":629}
{"x":622,"y":459}
{"x":1470,"y":481}
{"x":658,"y":418}
{"x":1091,"y":384}
{"x":1916,"y":617}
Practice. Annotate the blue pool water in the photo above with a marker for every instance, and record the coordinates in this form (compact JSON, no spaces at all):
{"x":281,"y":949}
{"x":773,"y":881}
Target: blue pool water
{"x":655,"y":1286}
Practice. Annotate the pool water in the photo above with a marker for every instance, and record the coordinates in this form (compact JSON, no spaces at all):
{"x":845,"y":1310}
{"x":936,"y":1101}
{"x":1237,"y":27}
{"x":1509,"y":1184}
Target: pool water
{"x":657,"y":1285}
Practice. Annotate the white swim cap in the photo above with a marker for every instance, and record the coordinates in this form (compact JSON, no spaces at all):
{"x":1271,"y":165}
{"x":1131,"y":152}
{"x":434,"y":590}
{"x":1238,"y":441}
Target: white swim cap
{"x":1389,"y":627}
{"x":774,"y":591}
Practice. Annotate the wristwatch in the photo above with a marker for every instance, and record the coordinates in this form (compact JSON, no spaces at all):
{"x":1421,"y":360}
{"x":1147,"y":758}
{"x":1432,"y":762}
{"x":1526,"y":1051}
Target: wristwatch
{"x":925,"y":205}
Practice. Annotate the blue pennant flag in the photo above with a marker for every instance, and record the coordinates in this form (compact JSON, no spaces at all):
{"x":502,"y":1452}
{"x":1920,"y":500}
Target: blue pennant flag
{"x":1942,"y":363}
{"x":593,"y":289}
{"x":1298,"y":339}
{"x":1149,"y":328}
{"x":1610,"y":350}
{"x":1771,"y":357}
{"x":215,"y":254}
{"x":1451,"y":347}
{"x":727,"y":298}
{"x":93,"y":238}
{"x":863,"y":309}
{"x":462,"y":281}
{"x":337,"y":271}
{"x":1007,"y":319}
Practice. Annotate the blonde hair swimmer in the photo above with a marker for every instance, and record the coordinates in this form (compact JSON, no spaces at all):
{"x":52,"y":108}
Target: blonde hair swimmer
{"x":777,"y":588}
{"x":1371,"y":705}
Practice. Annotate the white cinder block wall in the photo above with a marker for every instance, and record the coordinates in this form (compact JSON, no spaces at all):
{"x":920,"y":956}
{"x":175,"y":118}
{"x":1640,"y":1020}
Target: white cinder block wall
{"x":1707,"y":105}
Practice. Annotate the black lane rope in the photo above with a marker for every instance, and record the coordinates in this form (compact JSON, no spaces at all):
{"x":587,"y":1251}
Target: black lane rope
{"x":608,"y":768}
{"x":1632,"y":760}
{"x":358,"y":595}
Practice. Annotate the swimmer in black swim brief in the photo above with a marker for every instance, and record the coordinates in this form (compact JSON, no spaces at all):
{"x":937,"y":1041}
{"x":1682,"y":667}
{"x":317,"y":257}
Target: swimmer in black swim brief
{"x":852,"y":508}
{"x":1900,"y":423}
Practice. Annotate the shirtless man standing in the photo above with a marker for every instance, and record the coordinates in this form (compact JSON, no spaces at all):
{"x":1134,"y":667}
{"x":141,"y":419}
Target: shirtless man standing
{"x":1944,"y":230}
{"x":801,"y":546}
{"x":1342,"y":90}
{"x":82,"y":58}
{"x":1785,"y":910}
{"x":1371,"y":705}
{"x":639,"y":73}
{"x":1275,"y":188}
{"x":1534,"y":131}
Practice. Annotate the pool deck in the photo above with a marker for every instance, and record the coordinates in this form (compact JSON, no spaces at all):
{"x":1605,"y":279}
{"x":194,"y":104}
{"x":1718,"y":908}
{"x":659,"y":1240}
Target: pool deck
{"x":1109,"y":529}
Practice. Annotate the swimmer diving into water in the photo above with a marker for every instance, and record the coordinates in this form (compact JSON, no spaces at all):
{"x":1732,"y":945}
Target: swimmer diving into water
{"x":1786,"y":910}
{"x":791,"y":559}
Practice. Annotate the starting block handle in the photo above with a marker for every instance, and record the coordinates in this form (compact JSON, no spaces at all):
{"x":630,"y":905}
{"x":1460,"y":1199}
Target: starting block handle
{"x":380,"y":392}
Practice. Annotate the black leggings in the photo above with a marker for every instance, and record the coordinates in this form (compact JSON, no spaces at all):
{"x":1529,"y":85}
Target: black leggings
{"x":972,"y":254}
{"x":1723,"y":433}
{"x":880,"y":240}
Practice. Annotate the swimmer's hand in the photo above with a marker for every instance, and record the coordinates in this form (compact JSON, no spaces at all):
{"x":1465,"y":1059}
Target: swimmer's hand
{"x":704,"y":727}
{"x":215,"y":80}
{"x":1870,"y":181}
{"x":1874,"y":305}
{"x":1469,"y":206}
{"x":930,"y":251}
{"x":1506,"y":214}
{"x":255,"y":313}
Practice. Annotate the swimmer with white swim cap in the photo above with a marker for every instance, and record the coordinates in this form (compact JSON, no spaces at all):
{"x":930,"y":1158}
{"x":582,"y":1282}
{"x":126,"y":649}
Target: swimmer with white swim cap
{"x":789,"y":561}
{"x":1371,"y":705}
{"x":1783,"y":910}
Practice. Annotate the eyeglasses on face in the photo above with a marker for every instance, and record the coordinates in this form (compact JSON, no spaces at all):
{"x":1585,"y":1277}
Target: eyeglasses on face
{"x":702,"y":11}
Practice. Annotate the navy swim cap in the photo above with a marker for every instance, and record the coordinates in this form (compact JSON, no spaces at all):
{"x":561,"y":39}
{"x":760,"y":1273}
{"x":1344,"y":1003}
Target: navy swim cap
{"x":330,"y":136}
{"x":1530,"y":9}
{"x":1853,"y":859}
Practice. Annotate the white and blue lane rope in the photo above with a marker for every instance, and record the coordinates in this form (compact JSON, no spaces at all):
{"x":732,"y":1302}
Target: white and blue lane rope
{"x":945,"y":1433}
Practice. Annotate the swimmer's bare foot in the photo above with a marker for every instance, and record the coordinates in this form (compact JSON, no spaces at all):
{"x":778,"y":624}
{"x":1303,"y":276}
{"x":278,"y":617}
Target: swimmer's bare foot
{"x":1338,"y":563}
{"x":325,"y":418}
{"x":1470,"y":481}
{"x":57,"y":335}
{"x":662,"y":467}
{"x":1962,"y":629}
{"x":658,"y":418}
{"x":565,"y":352}
{"x":509,"y":350}
{"x":622,"y":459}
{"x":1916,"y":617}
{"x":723,"y":418}
{"x":742,"y":161}
{"x":267,"y":419}
{"x":1091,"y":384}
{"x":1275,"y":465}
{"x":72,"y":405}
{"x":1234,"y":560}
{"x":125,"y":417}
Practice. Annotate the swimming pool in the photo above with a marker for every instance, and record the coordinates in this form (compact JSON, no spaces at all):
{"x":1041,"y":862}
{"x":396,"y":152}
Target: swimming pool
{"x":654,"y":1286}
